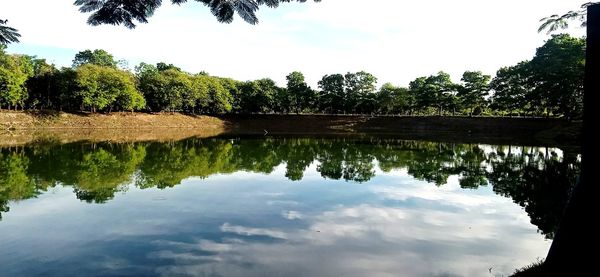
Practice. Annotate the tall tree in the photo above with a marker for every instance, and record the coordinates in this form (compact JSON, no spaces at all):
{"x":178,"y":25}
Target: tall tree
{"x":511,"y":88}
{"x":42,"y":88}
{"x":130,"y":12}
{"x":394,"y":100}
{"x":434,"y":91}
{"x":14,"y":72}
{"x":332,"y":98}
{"x":473,"y":90}
{"x":558,"y":73}
{"x":101,"y":87}
{"x":97,"y":57}
{"x":302,"y":97}
{"x":257,"y":96}
{"x":360,"y":92}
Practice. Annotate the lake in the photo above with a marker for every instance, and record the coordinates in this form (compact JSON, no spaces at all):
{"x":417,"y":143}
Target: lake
{"x":250,"y":206}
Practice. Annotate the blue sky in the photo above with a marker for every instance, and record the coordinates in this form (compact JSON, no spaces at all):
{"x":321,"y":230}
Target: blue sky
{"x":397,"y":41}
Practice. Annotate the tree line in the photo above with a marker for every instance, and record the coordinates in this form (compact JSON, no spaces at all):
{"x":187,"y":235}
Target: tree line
{"x":550,"y":84}
{"x":537,"y":179}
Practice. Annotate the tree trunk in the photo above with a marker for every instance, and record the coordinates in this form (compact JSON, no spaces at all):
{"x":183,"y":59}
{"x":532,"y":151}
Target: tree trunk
{"x":574,"y":240}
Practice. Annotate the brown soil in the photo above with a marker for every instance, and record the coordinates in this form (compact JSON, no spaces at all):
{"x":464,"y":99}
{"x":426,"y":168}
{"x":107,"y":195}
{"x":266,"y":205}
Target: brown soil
{"x":516,"y":131}
{"x":18,"y":128}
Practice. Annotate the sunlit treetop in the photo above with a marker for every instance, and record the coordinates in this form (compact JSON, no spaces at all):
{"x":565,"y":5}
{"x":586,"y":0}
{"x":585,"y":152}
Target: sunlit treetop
{"x":130,"y":12}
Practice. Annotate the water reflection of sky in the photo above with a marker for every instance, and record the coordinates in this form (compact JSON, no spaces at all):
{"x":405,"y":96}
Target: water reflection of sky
{"x":247,"y":224}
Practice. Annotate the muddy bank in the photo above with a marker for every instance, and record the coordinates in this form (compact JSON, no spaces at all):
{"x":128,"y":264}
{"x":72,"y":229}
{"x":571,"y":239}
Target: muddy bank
{"x":17,"y":128}
{"x":519,"y":131}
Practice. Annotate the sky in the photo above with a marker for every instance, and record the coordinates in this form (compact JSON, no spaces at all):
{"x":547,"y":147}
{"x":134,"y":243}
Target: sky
{"x":396,"y":41}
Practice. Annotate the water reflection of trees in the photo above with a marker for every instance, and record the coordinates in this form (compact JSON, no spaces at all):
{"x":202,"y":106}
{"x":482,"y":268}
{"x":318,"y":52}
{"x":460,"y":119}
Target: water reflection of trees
{"x":539,"y":180}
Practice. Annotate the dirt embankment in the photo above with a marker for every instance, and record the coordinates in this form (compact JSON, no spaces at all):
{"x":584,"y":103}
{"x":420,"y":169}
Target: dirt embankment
{"x":522,"y":131}
{"x":17,"y":128}
{"x":23,"y":127}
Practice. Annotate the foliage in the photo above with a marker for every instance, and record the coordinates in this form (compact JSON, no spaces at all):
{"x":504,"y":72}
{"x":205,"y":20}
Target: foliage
{"x":474,"y":89}
{"x":550,"y":84}
{"x":41,"y":86}
{"x":558,"y":69}
{"x":434,"y":91}
{"x":301,"y":96}
{"x":117,"y":12}
{"x":101,"y":87}
{"x":394,"y":100}
{"x":257,"y":96}
{"x":8,"y":34}
{"x":555,"y":22}
{"x":97,"y":57}
{"x":14,"y":72}
{"x":360,"y":92}
{"x":511,"y":88}
{"x":333,"y":94}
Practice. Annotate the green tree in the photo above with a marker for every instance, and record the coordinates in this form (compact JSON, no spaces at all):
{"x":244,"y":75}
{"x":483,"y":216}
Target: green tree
{"x":558,"y":73}
{"x":101,"y":87}
{"x":394,"y":100}
{"x":97,"y":57}
{"x":360,"y":92}
{"x":332,"y":98}
{"x":473,"y":90}
{"x":165,"y":90}
{"x":257,"y":96}
{"x":14,"y":72}
{"x":66,"y":86}
{"x":177,"y":88}
{"x":511,"y":88}
{"x":301,"y":96}
{"x":151,"y":84}
{"x":161,"y":66}
{"x":219,"y":97}
{"x":42,"y":86}
{"x":434,"y":91}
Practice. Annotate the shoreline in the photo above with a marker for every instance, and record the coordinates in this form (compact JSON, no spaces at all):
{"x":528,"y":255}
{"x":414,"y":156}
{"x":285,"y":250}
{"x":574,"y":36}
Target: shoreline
{"x":18,"y":128}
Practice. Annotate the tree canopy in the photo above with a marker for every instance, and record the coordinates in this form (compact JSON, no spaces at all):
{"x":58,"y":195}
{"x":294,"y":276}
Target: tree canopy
{"x":550,"y":84}
{"x":97,"y":57}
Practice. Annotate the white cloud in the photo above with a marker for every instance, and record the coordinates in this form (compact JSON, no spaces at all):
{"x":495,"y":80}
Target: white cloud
{"x":292,"y":215}
{"x":247,"y":231}
{"x":395,"y":40}
{"x":368,"y":240}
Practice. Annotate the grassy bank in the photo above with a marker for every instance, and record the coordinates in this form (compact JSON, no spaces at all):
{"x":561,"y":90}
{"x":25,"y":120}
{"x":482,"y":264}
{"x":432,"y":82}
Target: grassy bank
{"x":22,"y":127}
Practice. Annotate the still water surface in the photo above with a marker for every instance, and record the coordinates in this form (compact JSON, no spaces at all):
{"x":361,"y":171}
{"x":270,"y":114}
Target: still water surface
{"x":279,"y":207}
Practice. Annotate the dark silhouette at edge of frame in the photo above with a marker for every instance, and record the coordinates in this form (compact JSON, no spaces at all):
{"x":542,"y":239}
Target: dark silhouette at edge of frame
{"x":571,"y":253}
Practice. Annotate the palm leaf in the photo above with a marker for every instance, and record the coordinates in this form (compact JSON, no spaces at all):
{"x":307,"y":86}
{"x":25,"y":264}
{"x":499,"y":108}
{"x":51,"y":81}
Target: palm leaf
{"x":8,"y":34}
{"x":130,"y":12}
{"x":555,"y":22}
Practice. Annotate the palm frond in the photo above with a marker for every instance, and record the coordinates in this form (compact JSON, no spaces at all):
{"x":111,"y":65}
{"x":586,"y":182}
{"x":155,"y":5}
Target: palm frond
{"x":555,"y":22}
{"x":8,"y":34}
{"x":130,"y":12}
